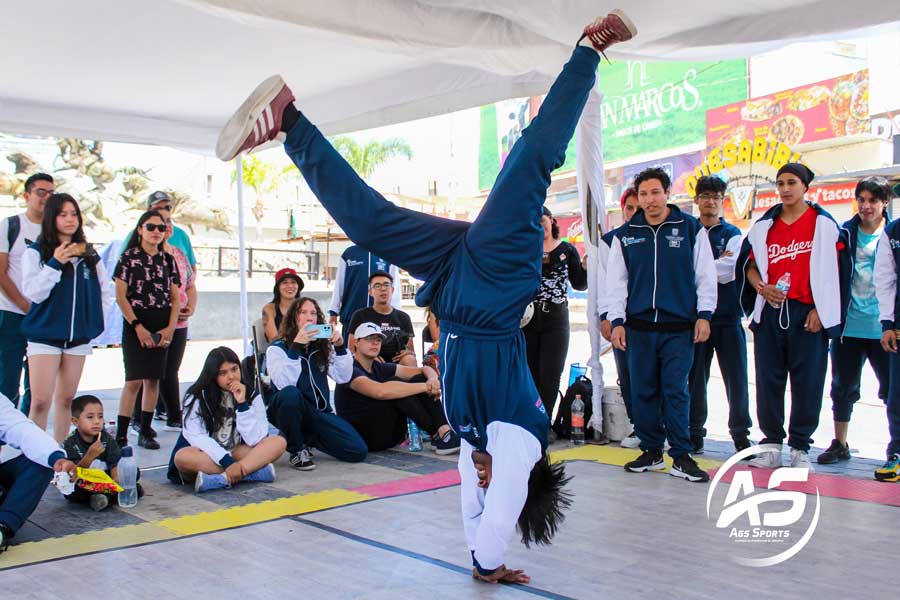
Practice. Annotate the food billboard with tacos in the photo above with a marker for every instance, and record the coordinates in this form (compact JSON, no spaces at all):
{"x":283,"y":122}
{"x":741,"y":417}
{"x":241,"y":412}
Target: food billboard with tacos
{"x":825,"y":110}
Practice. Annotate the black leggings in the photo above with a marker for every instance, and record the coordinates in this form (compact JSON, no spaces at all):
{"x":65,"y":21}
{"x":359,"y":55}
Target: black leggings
{"x":383,"y":426}
{"x":547,"y":344}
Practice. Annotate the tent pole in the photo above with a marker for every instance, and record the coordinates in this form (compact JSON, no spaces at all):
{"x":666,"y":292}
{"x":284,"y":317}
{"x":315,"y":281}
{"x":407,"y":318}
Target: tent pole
{"x":242,"y":254}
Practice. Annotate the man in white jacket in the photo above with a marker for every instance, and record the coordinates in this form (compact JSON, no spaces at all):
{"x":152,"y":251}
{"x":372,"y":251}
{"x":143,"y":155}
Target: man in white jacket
{"x":23,"y":479}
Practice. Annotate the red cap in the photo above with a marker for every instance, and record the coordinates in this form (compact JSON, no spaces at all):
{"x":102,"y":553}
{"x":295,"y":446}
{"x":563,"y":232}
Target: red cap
{"x":287,"y":272}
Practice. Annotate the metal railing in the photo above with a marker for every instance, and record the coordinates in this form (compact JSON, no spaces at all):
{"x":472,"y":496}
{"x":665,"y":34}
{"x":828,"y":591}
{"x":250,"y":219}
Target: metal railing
{"x":223,"y":260}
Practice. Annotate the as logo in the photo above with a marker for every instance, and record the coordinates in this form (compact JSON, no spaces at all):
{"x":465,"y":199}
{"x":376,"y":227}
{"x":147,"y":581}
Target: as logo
{"x":763,"y":517}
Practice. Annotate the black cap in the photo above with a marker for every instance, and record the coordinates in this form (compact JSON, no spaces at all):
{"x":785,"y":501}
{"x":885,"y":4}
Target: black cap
{"x":157,"y":197}
{"x":800,"y":170}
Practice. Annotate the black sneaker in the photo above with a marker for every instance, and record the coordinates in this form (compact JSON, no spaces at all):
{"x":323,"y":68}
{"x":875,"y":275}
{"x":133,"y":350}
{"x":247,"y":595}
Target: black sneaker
{"x":148,"y":441}
{"x":649,"y":460}
{"x":173,"y":424}
{"x":743,"y":444}
{"x":836,"y":452}
{"x":697,"y":445}
{"x":302,"y":461}
{"x":5,"y":534}
{"x":687,"y":468}
{"x":450,"y":446}
{"x":160,"y":415}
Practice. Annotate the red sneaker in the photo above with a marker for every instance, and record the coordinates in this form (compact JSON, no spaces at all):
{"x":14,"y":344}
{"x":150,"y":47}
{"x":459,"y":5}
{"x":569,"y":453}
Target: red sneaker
{"x":257,"y":121}
{"x":611,"y":29}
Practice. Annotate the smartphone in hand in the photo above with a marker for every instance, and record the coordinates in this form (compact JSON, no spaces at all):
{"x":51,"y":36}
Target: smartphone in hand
{"x":156,"y":337}
{"x":322,"y":331}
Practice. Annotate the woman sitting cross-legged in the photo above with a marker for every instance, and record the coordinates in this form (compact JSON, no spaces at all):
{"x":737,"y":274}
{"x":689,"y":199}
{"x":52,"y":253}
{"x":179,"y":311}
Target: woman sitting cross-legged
{"x":225,"y":438}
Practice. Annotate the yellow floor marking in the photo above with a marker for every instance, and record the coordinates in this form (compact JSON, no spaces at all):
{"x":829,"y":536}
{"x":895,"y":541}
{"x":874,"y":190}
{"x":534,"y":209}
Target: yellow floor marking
{"x":614,"y":455}
{"x":83,"y":543}
{"x":260,"y":511}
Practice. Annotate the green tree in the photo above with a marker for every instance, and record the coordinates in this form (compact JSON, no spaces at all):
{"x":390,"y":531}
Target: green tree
{"x":365,"y":158}
{"x":262,"y":177}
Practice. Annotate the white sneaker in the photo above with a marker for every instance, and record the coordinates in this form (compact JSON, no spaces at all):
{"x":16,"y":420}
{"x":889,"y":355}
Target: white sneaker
{"x":767,"y":460}
{"x":632,"y":441}
{"x":800,"y":458}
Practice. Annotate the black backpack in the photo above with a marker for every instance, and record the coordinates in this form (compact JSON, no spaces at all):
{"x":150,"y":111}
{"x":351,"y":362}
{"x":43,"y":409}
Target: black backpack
{"x":562,"y":425}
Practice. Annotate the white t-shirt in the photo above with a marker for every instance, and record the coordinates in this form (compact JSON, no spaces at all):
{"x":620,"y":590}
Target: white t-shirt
{"x":28,"y":233}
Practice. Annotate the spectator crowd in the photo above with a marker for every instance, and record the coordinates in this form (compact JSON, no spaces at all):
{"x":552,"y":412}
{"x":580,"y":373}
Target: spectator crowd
{"x":673,"y":290}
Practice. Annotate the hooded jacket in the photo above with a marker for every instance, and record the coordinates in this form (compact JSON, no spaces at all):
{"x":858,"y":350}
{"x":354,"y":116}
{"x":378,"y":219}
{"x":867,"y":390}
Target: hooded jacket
{"x":68,"y":301}
{"x":293,"y":364}
{"x":830,"y":268}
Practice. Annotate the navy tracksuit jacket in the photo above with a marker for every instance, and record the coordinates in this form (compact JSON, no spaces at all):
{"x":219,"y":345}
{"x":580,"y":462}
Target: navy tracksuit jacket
{"x":478,"y":278}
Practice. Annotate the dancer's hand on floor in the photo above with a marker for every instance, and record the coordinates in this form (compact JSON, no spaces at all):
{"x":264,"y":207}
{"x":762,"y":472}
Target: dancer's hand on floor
{"x":503,"y":575}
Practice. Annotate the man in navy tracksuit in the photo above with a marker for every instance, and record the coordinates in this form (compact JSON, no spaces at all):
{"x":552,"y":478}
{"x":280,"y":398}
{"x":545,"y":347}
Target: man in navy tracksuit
{"x":351,"y":286}
{"x":887,"y":274}
{"x":661,"y":282}
{"x":479,"y":277}
{"x":861,"y":336}
{"x":726,"y":335}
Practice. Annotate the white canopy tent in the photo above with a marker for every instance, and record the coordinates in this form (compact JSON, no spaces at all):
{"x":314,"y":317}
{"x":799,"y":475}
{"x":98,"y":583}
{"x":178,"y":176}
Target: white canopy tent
{"x":170,"y":72}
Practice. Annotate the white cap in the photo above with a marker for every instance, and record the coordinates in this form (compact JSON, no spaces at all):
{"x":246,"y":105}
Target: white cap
{"x":367,"y":329}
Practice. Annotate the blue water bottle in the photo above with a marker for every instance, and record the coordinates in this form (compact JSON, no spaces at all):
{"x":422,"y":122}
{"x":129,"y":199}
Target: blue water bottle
{"x":415,"y":440}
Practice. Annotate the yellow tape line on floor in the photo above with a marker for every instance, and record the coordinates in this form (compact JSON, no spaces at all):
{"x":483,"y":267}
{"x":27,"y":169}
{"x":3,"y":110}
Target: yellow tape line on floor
{"x":83,"y":543}
{"x":172,"y":529}
{"x":268,"y":510}
{"x":614,"y":455}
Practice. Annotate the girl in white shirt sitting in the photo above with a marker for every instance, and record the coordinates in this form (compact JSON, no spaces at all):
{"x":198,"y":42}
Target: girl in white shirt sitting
{"x":226,"y":435}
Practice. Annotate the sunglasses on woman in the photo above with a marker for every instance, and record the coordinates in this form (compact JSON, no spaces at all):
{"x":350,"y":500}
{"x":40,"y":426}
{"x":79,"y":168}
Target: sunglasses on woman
{"x":151,"y":227}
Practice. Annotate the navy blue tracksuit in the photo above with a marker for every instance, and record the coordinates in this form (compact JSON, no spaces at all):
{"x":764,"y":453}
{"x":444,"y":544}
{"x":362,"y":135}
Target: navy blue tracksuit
{"x":478,"y":277}
{"x":660,"y":281}
{"x":727,"y":340}
{"x":782,"y":346}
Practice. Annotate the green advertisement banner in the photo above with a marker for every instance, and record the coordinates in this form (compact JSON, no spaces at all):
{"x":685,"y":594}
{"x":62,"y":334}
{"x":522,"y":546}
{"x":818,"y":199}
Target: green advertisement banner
{"x":647,"y":107}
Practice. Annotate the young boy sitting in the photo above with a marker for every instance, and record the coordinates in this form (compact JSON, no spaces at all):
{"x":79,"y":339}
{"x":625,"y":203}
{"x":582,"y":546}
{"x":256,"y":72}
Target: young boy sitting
{"x":91,"y":447}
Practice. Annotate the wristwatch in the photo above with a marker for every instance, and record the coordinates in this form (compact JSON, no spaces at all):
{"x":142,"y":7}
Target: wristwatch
{"x":134,"y":322}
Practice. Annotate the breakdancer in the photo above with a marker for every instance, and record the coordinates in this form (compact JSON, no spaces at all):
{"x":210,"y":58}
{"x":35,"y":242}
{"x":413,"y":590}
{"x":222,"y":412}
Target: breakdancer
{"x":478,"y":279}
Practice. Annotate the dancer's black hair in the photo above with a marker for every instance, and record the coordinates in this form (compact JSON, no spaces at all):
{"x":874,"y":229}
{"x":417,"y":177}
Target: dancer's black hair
{"x":546,"y":501}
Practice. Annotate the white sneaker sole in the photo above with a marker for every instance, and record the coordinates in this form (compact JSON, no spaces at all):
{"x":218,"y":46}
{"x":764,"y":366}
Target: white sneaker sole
{"x":676,"y":472}
{"x":660,"y":466}
{"x":628,"y":22}
{"x":630,"y":443}
{"x":242,"y":122}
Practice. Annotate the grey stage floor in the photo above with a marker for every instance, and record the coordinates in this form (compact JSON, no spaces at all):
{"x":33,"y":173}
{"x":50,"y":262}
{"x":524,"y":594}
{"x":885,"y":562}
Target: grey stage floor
{"x":627,"y":536}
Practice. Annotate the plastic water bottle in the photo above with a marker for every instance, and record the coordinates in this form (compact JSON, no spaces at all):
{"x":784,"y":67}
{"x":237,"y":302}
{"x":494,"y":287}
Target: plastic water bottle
{"x":111,"y":428}
{"x":415,"y":440}
{"x":578,"y":421}
{"x":128,"y":497}
{"x":783,"y":284}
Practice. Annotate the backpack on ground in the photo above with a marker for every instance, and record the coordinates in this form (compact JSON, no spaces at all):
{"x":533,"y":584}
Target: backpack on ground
{"x":562,"y":425}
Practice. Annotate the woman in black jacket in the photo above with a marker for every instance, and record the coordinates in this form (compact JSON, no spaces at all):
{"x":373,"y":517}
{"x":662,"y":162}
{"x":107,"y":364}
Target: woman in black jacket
{"x":547,"y":334}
